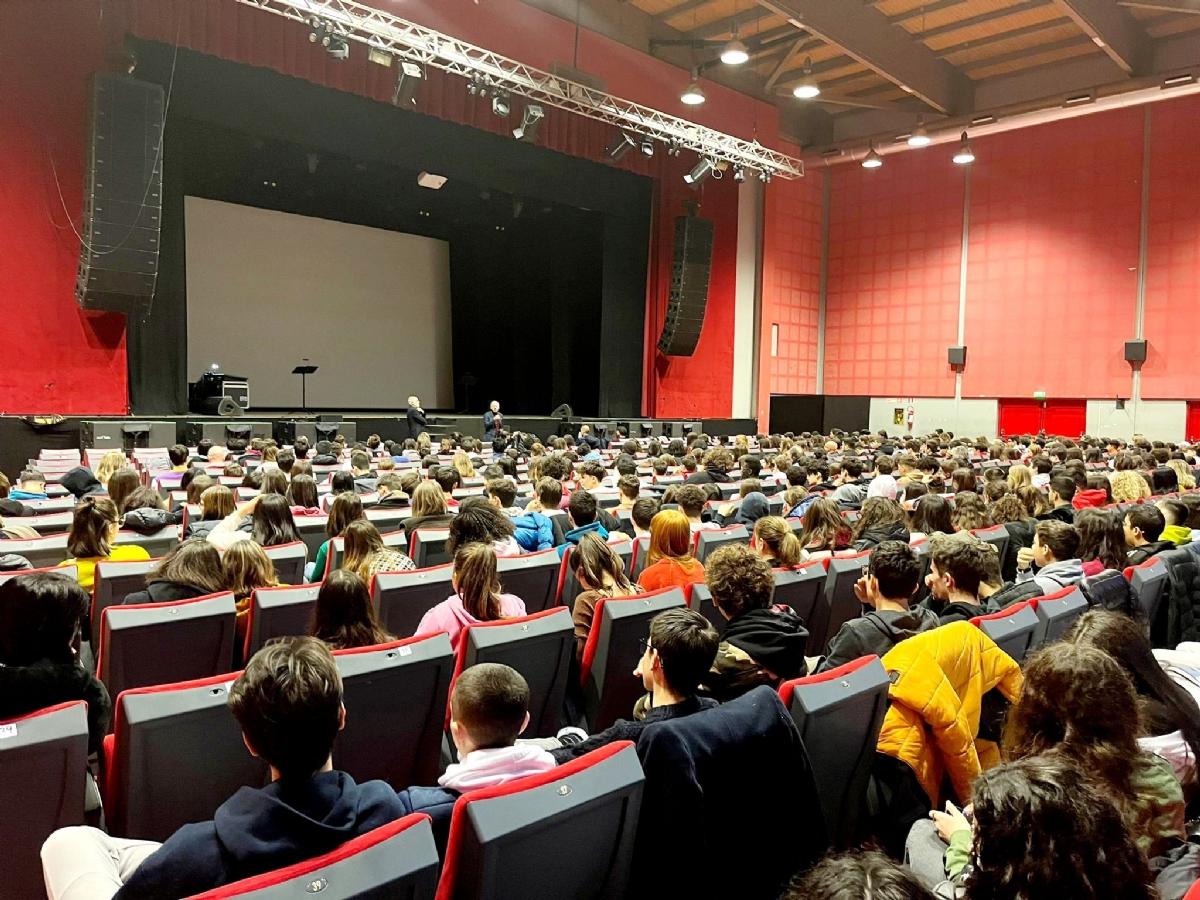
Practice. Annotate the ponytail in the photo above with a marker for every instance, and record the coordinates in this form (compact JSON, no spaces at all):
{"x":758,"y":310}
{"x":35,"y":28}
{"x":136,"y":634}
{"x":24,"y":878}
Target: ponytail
{"x":777,"y":535}
{"x":89,"y":528}
{"x":478,"y":584}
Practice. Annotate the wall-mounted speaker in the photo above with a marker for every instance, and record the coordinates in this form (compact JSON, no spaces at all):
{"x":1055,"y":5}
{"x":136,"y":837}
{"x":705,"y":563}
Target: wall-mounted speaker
{"x":122,"y":196}
{"x":689,"y":286}
{"x":1135,"y":351}
{"x":957,"y":356}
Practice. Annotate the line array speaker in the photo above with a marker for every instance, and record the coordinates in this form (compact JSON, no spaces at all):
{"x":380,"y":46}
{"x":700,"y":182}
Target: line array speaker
{"x":689,"y":286}
{"x":122,"y":196}
{"x":1135,"y":351}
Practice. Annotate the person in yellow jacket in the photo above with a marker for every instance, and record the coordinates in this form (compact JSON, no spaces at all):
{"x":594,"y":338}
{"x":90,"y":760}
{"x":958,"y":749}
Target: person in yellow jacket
{"x":93,"y":531}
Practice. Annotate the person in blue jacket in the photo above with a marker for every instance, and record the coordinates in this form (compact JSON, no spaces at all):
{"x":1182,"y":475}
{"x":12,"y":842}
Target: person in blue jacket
{"x":289,"y":705}
{"x":534,"y":531}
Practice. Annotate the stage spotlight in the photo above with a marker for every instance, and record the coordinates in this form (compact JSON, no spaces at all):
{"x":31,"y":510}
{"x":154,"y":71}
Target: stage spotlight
{"x":531,"y":120}
{"x":619,"y":146}
{"x":739,"y":174}
{"x":500,"y":104}
{"x":699,"y":172}
{"x":408,"y":79}
{"x":647,"y":146}
{"x":764,"y":175}
{"x":325,"y":34}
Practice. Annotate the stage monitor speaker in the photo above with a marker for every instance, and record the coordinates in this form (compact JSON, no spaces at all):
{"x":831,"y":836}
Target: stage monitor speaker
{"x":325,"y":431}
{"x":689,"y":286}
{"x":1135,"y":351}
{"x":122,"y":196}
{"x":220,"y":432}
{"x":119,"y":434}
{"x":957,"y":356}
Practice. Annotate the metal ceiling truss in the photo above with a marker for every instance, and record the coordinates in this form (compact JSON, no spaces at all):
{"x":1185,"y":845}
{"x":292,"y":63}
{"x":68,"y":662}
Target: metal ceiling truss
{"x":390,"y":34}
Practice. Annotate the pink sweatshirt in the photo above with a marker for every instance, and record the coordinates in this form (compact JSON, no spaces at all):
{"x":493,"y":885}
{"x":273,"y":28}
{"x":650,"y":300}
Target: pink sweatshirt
{"x":488,"y":768}
{"x":450,"y":616}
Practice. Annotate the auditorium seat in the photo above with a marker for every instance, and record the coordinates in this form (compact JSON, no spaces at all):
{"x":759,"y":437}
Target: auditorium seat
{"x":614,"y":646}
{"x":1012,"y":629}
{"x":568,"y":585}
{"x":533,"y":577}
{"x":1056,"y":614}
{"x":50,"y":523}
{"x":113,"y":583}
{"x":396,"y":696}
{"x":43,"y":764}
{"x":710,"y":539}
{"x":428,"y":547}
{"x":176,"y":754}
{"x":289,"y":560}
{"x":70,"y":571}
{"x":43,"y":552}
{"x":312,"y":531}
{"x":997,"y":536}
{"x":398,"y":860}
{"x":839,"y":714}
{"x":161,"y":643}
{"x":1149,"y":583}
{"x":539,"y":646}
{"x":800,"y":589}
{"x":278,"y":612}
{"x":386,"y":520}
{"x":637,"y":559}
{"x":840,"y":604}
{"x":402,"y":598}
{"x":157,"y":545}
{"x":565,"y":833}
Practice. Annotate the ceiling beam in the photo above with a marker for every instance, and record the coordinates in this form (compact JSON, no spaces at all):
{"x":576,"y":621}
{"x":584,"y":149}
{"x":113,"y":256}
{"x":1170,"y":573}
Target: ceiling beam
{"x":725,"y":24}
{"x":1028,"y":53}
{"x":927,"y":10}
{"x":1183,"y":6}
{"x":795,"y":50}
{"x":1000,"y":38}
{"x":1114,"y":30}
{"x":980,"y":19}
{"x":866,"y":35}
{"x":681,"y":9}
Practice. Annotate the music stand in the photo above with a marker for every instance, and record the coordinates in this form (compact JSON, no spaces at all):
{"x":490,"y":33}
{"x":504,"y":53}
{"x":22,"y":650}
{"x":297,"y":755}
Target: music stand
{"x":304,"y":372}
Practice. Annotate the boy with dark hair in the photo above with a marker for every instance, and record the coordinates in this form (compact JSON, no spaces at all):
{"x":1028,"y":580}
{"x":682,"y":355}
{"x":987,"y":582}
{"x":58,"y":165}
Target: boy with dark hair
{"x":489,"y":709}
{"x":628,"y":487}
{"x":751,"y":467}
{"x":391,"y":492}
{"x":850,"y":493}
{"x":888,"y":588}
{"x":1055,"y":552}
{"x":956,"y":568}
{"x":1144,"y":525}
{"x":591,"y":475}
{"x":584,"y":511}
{"x":1175,"y":514}
{"x":677,"y":656}
{"x":691,"y":499}
{"x":203,"y":446}
{"x":1061,"y":493}
{"x":31,"y":485}
{"x":644,"y":510}
{"x":533,"y":531}
{"x":447,"y":479}
{"x":288,"y":703}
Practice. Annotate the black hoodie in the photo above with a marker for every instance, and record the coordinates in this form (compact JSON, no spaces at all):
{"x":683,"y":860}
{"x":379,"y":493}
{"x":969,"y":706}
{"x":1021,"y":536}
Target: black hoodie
{"x":82,"y":483}
{"x":261,"y":829}
{"x":873,"y":537}
{"x":15,"y":508}
{"x":1139,"y":555}
{"x":875,"y":633}
{"x":162,"y":590}
{"x":760,"y":646}
{"x":45,"y":683}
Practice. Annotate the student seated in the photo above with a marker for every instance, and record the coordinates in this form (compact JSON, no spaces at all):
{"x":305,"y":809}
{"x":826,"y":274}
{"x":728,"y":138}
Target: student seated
{"x":863,"y":875}
{"x":762,"y":644}
{"x":956,"y":568}
{"x":825,"y":531}
{"x":365,"y":555}
{"x":31,"y":485}
{"x":478,"y":522}
{"x":1055,"y":552}
{"x":9,"y":506}
{"x":1061,"y":492}
{"x":532,"y":530}
{"x":192,"y":569}
{"x":247,"y":568}
{"x":643,"y":513}
{"x":888,"y":588}
{"x":583,"y":512}
{"x":391,"y":491}
{"x":144,"y":512}
{"x":682,"y":641}
{"x":346,"y":508}
{"x":1175,"y":514}
{"x":94,"y":527}
{"x":1101,"y":540}
{"x":775,"y":541}
{"x":271,"y":524}
{"x":881,"y":520}
{"x":289,"y":705}
{"x":882,"y":483}
{"x":489,"y":709}
{"x":429,"y":509}
{"x":601,"y":573}
{"x":302,"y":496}
{"x":477,"y":596}
{"x":669,"y":561}
{"x":1144,"y":525}
{"x":344,"y":616}
{"x":628,"y":487}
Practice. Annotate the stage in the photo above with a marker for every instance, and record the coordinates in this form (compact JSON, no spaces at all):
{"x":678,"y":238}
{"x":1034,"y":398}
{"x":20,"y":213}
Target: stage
{"x":20,"y":439}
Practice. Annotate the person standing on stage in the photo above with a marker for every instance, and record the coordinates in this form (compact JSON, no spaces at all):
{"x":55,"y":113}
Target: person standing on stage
{"x":493,"y":422}
{"x":416,"y":418}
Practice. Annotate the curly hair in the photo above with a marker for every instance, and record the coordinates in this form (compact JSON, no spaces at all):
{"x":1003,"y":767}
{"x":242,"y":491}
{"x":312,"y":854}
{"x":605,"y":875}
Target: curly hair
{"x":739,"y":579}
{"x":857,"y":876}
{"x":879,"y":512}
{"x":1043,"y":829}
{"x":1128,"y":486}
{"x":969,"y":512}
{"x":1008,"y":508}
{"x":718,"y":458}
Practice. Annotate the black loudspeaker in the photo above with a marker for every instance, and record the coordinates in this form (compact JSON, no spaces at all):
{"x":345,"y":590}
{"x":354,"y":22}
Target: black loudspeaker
{"x":957,"y":356}
{"x":1135,"y":351}
{"x":122,"y":196}
{"x":689,"y":286}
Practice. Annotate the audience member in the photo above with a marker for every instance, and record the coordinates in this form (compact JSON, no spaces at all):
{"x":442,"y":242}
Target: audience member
{"x":754,"y":506}
{"x":1060,"y":493}
{"x":10,"y":507}
{"x":271,"y":524}
{"x":1175,"y":515}
{"x":881,"y":520}
{"x":892,"y":578}
{"x":302,"y":496}
{"x":775,"y":541}
{"x":691,"y":499}
{"x":477,"y":596}
{"x":31,"y":485}
{"x":479,"y":522}
{"x":825,"y":531}
{"x":956,"y":568}
{"x":247,"y":568}
{"x":145,"y":512}
{"x":583,"y":512}
{"x":762,"y":644}
{"x":344,"y":616}
{"x":930,"y":516}
{"x":863,"y":875}
{"x":365,"y":555}
{"x":392,"y":494}
{"x":1144,"y":525}
{"x":669,"y":560}
{"x":1129,"y":486}
{"x":429,"y":509}
{"x":191,"y":569}
{"x":109,"y":463}
{"x":643,"y":513}
{"x":1055,"y":552}
{"x":969,"y":512}
{"x":288,"y":702}
{"x":346,"y":508}
{"x":1101,"y":540}
{"x":601,"y":574}
{"x":94,"y":529}
{"x":882,"y":484}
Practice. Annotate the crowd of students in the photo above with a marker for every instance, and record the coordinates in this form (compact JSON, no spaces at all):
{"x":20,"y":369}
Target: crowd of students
{"x":1097,"y":757}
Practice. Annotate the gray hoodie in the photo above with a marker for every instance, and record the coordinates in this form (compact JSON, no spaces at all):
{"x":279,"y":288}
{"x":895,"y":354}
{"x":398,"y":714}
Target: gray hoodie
{"x":1055,"y":576}
{"x":876,"y":633}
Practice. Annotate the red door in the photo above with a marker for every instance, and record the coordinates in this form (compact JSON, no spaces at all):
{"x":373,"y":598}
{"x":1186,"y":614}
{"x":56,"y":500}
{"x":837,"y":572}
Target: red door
{"x":1064,"y":418}
{"x":1193,"y":421}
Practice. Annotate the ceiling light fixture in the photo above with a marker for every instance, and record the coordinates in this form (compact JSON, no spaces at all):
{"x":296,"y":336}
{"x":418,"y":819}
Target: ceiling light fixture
{"x":965,"y":154}
{"x":919,"y":137}
{"x":693,"y":95}
{"x":739,"y":174}
{"x":808,"y":88}
{"x":872,"y":160}
{"x":500,"y":104}
{"x":735,"y":53}
{"x":764,"y":175}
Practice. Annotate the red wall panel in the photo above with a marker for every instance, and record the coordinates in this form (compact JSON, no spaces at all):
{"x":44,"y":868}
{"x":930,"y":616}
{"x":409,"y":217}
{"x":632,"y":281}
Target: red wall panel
{"x":791,"y":288}
{"x":1172,"y":367}
{"x":1052,"y":271}
{"x":61,"y":359}
{"x":895,"y":245}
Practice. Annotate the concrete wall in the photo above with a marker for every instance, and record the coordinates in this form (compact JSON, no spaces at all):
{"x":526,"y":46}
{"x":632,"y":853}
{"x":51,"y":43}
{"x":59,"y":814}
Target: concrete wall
{"x":971,"y":418}
{"x":1159,"y":420}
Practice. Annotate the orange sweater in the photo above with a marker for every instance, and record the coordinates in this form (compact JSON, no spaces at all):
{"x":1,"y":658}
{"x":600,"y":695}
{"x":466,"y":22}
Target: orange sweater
{"x":668,"y":573}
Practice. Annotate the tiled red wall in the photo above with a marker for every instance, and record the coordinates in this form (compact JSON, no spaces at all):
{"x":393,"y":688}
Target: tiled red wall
{"x":791,"y":287}
{"x":1172,"y":368}
{"x":895,"y":246}
{"x":1052,"y":271}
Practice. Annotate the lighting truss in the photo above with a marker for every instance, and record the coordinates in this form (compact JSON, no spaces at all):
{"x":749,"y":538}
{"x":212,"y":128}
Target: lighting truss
{"x":389,"y":33}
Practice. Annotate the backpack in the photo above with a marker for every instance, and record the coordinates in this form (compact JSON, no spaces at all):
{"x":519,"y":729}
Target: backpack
{"x":1109,"y":590}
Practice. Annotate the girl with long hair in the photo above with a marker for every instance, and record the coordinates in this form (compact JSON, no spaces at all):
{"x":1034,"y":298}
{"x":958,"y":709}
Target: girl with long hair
{"x":192,"y":569}
{"x":601,"y":573}
{"x":215,"y":504}
{"x":302,"y":496}
{"x":825,"y":531}
{"x":1101,"y":540}
{"x":346,"y":508}
{"x":94,"y":529}
{"x":478,"y":522}
{"x":271,"y":523}
{"x":669,"y":561}
{"x":110,"y":463}
{"x":969,"y":512}
{"x":1020,"y":476}
{"x":462,"y":464}
{"x":774,"y":539}
{"x":881,"y":520}
{"x":1183,"y":474}
{"x":478,"y":596}
{"x":1036,"y":503}
{"x":121,"y":484}
{"x":429,"y":509}
{"x":247,"y":568}
{"x":274,"y":482}
{"x":931,"y":516}
{"x":1128,"y":486}
{"x":365,"y":554}
{"x":344,"y":617}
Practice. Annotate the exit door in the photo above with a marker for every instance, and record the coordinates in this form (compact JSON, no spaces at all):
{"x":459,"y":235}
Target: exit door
{"x":1064,"y":418}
